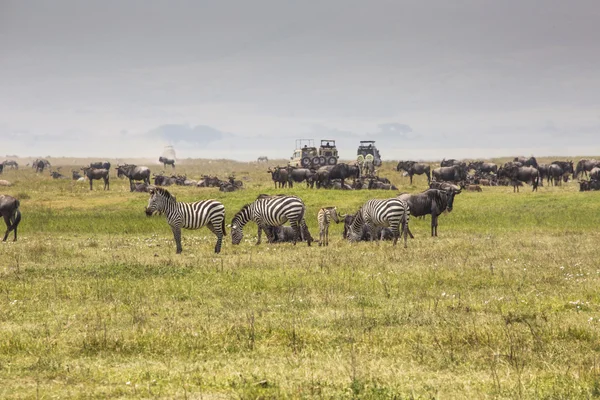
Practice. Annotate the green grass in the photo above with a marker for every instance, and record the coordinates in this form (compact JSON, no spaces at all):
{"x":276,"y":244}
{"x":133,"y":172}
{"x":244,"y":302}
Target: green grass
{"x":94,"y":302}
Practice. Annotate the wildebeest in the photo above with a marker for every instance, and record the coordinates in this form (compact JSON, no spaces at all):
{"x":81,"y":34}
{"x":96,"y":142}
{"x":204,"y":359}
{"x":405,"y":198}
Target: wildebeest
{"x":431,"y":201}
{"x":1,"y":168}
{"x":166,"y":161}
{"x":97,"y":173}
{"x":595,"y":173}
{"x":162,"y":180}
{"x":448,"y":187}
{"x":100,"y":165}
{"x":414,"y":168}
{"x":10,"y":163}
{"x":57,"y":175}
{"x":481,"y":166}
{"x":454,"y":173}
{"x":524,"y":174}
{"x":300,"y":175}
{"x":450,"y":162}
{"x":39,"y":165}
{"x":280,"y":177}
{"x":555,"y":174}
{"x":589,"y":185}
{"x":527,"y":162}
{"x":264,"y":159}
{"x":9,"y":209}
{"x":585,"y":166}
{"x":286,"y":234}
{"x":134,"y":173}
{"x":75,"y":175}
{"x":375,"y":184}
{"x":343,"y":171}
{"x":141,"y":187}
{"x":380,"y":233}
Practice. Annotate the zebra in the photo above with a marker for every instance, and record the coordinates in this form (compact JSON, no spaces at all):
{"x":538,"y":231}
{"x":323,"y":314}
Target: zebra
{"x":381,"y":213}
{"x":324,"y":217}
{"x":188,"y":215}
{"x":268,"y":211}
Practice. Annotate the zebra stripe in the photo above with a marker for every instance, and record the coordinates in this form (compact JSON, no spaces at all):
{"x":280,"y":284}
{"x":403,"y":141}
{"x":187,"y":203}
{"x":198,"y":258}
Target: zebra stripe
{"x":270,"y":211}
{"x":324,"y":218}
{"x":381,"y":213}
{"x":209,"y":213}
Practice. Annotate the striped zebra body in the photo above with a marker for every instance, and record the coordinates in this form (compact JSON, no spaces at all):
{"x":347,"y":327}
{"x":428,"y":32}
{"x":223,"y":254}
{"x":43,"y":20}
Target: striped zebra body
{"x":324,"y":218}
{"x":270,"y":211}
{"x":391,"y":213}
{"x":209,"y":213}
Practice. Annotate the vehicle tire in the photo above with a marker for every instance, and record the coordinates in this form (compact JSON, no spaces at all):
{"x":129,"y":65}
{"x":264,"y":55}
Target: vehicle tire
{"x":315,"y":161}
{"x":322,"y":160}
{"x":332,"y":160}
{"x":306,"y":162}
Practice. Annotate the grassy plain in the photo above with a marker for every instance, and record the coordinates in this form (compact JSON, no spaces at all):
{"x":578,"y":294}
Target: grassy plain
{"x":94,"y":302}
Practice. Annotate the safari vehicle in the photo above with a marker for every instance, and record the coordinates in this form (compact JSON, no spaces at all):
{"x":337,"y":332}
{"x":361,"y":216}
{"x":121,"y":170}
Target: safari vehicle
{"x":367,"y":147}
{"x":308,"y":156}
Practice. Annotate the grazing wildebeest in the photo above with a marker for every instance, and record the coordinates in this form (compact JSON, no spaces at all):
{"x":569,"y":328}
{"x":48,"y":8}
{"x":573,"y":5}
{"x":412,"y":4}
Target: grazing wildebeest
{"x":264,"y":159}
{"x":10,"y":163}
{"x":517,"y":174}
{"x":9,"y":209}
{"x":414,"y":168}
{"x":166,"y":161}
{"x":301,"y":174}
{"x":393,"y":213}
{"x":431,"y":201}
{"x":527,"y":162}
{"x":95,"y":173}
{"x":450,"y":162}
{"x":134,"y":173}
{"x":379,"y":233}
{"x":209,"y":213}
{"x":100,"y":165}
{"x":324,"y":217}
{"x":454,"y":173}
{"x":343,"y":171}
{"x":555,"y":174}
{"x":585,"y":166}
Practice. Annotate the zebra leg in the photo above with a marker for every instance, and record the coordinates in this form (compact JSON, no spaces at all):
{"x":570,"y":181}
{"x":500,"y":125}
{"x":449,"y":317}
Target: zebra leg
{"x":177,"y":235}
{"x":327,"y":235}
{"x":305,"y":232}
{"x":297,"y":233}
{"x":259,"y":234}
{"x":217,"y":231}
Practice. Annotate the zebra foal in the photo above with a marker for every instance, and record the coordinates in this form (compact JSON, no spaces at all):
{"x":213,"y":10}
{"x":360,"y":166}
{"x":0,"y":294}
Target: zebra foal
{"x":209,"y":213}
{"x":324,"y":217}
{"x":381,"y":213}
{"x":267,"y":211}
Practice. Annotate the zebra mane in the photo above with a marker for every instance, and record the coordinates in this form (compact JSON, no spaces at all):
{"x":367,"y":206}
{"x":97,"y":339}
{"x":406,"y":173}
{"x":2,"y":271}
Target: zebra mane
{"x":163,"y":192}
{"x":244,"y":208}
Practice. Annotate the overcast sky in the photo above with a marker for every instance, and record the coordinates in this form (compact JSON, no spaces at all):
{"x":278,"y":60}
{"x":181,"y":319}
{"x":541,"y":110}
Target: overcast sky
{"x":239,"y":79}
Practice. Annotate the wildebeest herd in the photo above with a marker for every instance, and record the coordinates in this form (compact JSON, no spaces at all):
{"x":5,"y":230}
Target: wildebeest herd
{"x":376,"y":219}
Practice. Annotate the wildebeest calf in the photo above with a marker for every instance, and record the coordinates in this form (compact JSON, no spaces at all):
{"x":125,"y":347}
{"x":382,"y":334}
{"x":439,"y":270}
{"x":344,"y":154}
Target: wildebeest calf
{"x":9,"y":210}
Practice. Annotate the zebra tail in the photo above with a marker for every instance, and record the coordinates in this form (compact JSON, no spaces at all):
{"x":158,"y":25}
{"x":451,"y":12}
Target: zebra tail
{"x":223,"y":227}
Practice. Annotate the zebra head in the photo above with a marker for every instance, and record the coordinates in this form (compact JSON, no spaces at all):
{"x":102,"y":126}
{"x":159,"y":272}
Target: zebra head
{"x":334,"y":215}
{"x":237,"y":224}
{"x":157,"y":203}
{"x":355,"y":226}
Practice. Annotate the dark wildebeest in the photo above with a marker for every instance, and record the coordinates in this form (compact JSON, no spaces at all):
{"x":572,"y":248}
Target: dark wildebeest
{"x":520,"y":174}
{"x":321,"y":177}
{"x":134,"y":173}
{"x":414,"y":168}
{"x":527,"y":162}
{"x":450,"y":174}
{"x":374,"y":184}
{"x":585,"y":166}
{"x":95,"y":173}
{"x":57,"y":175}
{"x":543,"y":170}
{"x":555,"y":174}
{"x":286,"y":234}
{"x":567,"y":167}
{"x":595,"y":173}
{"x":589,"y":185}
{"x":450,"y":162}
{"x":10,"y":163}
{"x":141,"y":187}
{"x":76,"y":175}
{"x":9,"y":209}
{"x":100,"y":165}
{"x":431,"y":201}
{"x":264,"y":159}
{"x":166,"y":161}
{"x":380,"y":233}
{"x":1,"y":168}
{"x":162,"y":180}
{"x":344,"y":171}
{"x":481,"y":166}
{"x":280,"y":177}
{"x":300,"y":175}
{"x":448,"y":187}
{"x":39,"y":165}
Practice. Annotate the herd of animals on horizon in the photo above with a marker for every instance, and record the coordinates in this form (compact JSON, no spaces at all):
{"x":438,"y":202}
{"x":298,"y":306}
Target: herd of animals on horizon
{"x":376,"y":219}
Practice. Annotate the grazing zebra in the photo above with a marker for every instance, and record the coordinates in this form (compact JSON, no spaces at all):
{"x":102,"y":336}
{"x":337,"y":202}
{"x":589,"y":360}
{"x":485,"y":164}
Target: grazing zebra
{"x":324,"y":217}
{"x":268,"y":211}
{"x":188,"y":215}
{"x":381,"y":213}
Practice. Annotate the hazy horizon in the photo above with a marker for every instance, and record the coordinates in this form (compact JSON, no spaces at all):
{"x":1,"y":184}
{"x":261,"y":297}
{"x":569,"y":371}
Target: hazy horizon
{"x":238,"y":80}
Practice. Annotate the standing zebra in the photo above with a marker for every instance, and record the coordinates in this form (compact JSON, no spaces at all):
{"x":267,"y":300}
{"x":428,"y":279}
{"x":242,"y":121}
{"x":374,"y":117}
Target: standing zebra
{"x":381,"y":213}
{"x":268,"y":211}
{"x":324,"y":217}
{"x":188,"y":215}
